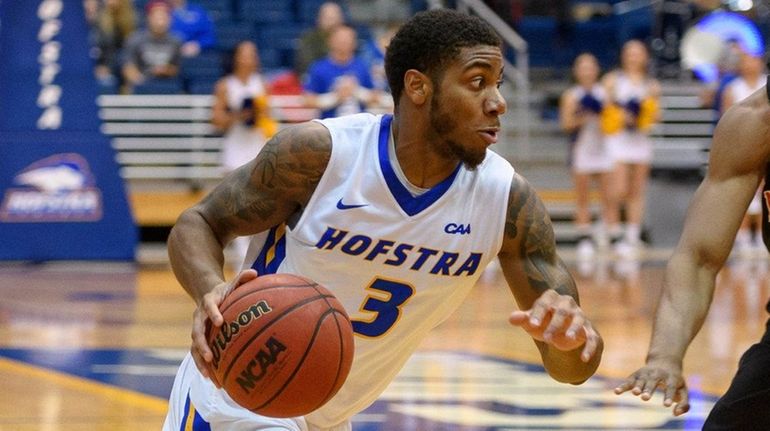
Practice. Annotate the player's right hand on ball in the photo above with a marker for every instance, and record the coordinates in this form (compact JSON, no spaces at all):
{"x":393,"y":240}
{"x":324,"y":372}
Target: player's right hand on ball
{"x":663,"y":375}
{"x":208,"y":311}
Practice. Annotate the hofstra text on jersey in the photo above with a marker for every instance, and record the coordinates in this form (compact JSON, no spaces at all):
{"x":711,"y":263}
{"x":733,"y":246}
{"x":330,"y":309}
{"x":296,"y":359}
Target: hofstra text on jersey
{"x":438,"y":262}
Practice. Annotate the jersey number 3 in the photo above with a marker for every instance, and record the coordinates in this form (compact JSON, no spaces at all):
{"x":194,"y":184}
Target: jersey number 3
{"x":384,"y":302}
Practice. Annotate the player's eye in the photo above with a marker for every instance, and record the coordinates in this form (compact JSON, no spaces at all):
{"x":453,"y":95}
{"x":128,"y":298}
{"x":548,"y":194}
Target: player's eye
{"x":477,"y":82}
{"x":499,"y":83}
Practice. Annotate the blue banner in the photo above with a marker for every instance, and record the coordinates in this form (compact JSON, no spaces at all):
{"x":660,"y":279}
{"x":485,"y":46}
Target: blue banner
{"x":61,"y":197}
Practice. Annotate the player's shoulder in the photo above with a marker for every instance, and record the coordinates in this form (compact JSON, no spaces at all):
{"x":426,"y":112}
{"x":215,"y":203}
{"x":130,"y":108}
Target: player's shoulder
{"x":351,"y":122}
{"x":753,"y":110}
{"x":496,"y":164}
{"x":306,"y":143}
{"x":309,"y":132}
{"x":744,"y":130}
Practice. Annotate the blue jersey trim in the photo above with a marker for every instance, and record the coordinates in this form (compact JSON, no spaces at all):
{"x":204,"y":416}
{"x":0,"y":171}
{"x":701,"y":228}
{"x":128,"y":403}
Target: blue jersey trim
{"x":410,"y":204}
{"x":273,"y":252}
{"x":194,"y":422}
{"x":186,"y":413}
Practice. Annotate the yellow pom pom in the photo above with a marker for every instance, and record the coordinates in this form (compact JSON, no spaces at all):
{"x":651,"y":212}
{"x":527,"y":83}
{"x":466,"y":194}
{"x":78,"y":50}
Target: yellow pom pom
{"x":648,"y":114}
{"x":611,"y":119}
{"x":265,"y":123}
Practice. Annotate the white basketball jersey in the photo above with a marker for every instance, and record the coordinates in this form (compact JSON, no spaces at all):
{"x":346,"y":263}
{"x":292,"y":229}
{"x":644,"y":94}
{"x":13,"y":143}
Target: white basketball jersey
{"x":399,"y":264}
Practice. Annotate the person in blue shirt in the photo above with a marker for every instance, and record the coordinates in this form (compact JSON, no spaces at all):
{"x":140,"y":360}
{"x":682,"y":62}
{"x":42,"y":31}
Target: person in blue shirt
{"x":340,"y":84}
{"x":191,"y":23}
{"x":373,"y":54}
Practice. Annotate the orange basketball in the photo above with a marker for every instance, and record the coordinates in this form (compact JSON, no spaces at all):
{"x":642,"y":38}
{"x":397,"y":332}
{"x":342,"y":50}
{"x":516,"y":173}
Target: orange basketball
{"x":285,"y":348}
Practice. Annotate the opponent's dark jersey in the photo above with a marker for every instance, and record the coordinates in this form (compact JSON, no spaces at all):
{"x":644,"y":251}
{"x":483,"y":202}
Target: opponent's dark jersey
{"x":766,"y":195}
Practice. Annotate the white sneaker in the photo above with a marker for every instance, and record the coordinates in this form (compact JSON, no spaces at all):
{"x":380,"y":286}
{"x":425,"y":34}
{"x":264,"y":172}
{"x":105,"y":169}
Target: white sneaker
{"x":585,"y":249}
{"x":627,"y":269}
{"x":626,"y":250}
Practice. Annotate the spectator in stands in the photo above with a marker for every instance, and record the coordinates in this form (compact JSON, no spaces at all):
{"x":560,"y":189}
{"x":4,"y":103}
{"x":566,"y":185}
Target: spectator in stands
{"x":373,"y":54}
{"x":590,"y":158}
{"x":313,"y":42}
{"x":112,"y":22}
{"x":633,"y":96}
{"x":340,"y":84}
{"x":241,"y":112}
{"x":192,"y":24}
{"x":727,"y":67}
{"x":152,"y":53}
{"x":751,"y":78}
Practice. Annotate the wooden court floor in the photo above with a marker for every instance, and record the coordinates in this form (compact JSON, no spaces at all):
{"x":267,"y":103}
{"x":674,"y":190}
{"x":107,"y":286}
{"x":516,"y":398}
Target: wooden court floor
{"x":94,"y":347}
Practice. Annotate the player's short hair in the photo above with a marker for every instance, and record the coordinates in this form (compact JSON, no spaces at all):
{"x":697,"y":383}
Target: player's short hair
{"x":429,"y":41}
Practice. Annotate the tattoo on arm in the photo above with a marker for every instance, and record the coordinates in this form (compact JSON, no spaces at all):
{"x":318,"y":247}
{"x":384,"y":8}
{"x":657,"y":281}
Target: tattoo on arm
{"x":278,"y":182}
{"x":529,"y":226}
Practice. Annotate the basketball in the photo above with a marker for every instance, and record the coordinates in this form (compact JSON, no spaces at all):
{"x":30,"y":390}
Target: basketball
{"x":285,"y":348}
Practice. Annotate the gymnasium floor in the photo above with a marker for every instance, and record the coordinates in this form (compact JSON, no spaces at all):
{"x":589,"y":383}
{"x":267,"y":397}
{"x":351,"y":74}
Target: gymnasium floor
{"x":95,"y":346}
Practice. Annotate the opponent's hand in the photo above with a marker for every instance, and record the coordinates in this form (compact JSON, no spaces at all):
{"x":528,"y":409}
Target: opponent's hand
{"x":558,"y":321}
{"x":208,"y":310}
{"x":663,"y":375}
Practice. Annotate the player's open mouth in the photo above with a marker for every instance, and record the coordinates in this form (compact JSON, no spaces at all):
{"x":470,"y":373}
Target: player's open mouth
{"x":490,"y":135}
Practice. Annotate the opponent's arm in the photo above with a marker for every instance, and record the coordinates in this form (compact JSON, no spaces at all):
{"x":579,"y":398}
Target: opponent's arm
{"x":738,"y":156}
{"x":253,"y":198}
{"x":543,"y":287}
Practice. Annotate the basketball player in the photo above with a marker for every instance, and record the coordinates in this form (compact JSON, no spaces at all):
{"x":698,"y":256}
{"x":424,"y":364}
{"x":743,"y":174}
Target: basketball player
{"x":397,"y":215}
{"x":739,"y":159}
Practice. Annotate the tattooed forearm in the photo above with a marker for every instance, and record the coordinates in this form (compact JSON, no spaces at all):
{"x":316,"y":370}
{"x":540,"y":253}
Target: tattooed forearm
{"x":529,"y":226}
{"x":268,"y":189}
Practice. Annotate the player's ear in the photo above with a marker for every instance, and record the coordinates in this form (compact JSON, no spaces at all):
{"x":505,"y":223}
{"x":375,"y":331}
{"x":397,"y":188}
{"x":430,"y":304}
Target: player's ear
{"x":417,"y":86}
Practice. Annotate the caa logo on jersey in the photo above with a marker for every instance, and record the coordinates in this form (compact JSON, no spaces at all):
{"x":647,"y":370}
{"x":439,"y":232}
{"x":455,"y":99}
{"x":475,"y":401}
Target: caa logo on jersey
{"x":457,"y":229}
{"x":59,"y":188}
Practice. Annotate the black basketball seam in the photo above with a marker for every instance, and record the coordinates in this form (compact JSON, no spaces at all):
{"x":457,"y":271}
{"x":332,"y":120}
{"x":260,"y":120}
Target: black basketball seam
{"x":301,"y":361}
{"x":289,"y":286}
{"x":339,"y":335}
{"x":339,"y":363}
{"x":248,"y":342}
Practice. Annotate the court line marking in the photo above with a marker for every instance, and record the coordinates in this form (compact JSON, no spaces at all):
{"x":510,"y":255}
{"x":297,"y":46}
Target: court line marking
{"x":155,"y":404}
{"x":603,"y":372}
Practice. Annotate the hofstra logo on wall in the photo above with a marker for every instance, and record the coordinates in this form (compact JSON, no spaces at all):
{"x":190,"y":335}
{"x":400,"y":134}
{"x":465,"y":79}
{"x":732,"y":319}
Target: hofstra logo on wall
{"x":59,"y":188}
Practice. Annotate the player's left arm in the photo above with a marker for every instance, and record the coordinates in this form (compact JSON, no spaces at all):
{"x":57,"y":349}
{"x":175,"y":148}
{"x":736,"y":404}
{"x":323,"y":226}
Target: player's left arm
{"x":545,"y":291}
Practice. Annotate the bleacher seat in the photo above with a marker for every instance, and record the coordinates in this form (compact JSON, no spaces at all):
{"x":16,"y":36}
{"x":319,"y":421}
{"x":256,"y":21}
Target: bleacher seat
{"x":108,"y":87}
{"x":307,"y":10}
{"x":597,"y":36}
{"x":540,"y":34}
{"x":636,"y":25}
{"x":224,"y":6}
{"x":159,"y":86}
{"x":270,"y":58}
{"x":279,"y":36}
{"x":230,"y":33}
{"x":282,"y":38}
{"x":206,"y":64}
{"x":265,"y":11}
{"x":201,"y":86}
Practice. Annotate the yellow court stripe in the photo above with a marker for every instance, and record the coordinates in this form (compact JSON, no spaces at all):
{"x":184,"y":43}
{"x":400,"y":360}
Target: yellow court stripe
{"x":80,"y":384}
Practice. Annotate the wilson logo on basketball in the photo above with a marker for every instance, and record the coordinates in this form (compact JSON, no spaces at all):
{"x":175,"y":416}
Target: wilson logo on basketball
{"x":264,"y":358}
{"x":229,"y":330}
